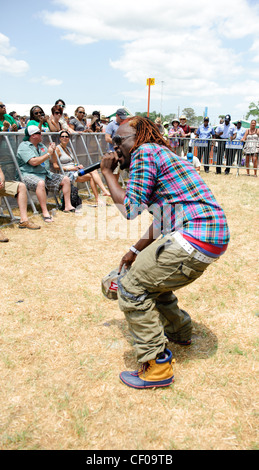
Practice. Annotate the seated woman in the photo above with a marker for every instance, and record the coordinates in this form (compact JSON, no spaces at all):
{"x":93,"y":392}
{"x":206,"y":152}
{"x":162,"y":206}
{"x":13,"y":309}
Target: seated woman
{"x":54,"y":120}
{"x":38,"y":118}
{"x":70,"y":167}
{"x":78,"y":123}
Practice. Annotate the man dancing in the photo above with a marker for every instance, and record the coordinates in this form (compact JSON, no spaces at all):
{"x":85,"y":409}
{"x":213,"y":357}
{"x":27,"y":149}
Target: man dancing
{"x":194,"y":234}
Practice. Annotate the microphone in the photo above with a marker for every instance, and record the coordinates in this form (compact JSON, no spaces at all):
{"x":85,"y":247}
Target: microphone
{"x":88,"y":169}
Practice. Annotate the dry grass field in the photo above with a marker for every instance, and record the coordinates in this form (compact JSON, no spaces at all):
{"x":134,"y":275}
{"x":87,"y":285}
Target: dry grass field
{"x":63,"y":344}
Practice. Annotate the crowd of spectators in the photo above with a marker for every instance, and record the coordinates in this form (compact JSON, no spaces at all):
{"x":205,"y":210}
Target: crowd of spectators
{"x":58,"y":120}
{"x":246,"y":142}
{"x":34,"y":157}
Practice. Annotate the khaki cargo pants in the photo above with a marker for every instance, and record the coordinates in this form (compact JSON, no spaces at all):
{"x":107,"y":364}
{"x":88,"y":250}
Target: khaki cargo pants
{"x":146,"y":295}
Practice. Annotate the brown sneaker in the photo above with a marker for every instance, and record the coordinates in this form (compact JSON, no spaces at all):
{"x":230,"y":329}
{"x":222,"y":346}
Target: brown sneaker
{"x":2,"y":237}
{"x":28,"y":224}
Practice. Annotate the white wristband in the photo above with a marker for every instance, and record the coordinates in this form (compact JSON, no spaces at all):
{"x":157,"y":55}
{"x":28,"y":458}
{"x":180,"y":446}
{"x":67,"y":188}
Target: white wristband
{"x":134,"y":250}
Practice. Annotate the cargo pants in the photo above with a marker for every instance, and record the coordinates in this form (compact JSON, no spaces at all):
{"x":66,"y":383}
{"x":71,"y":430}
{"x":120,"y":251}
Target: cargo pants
{"x":145,"y":295}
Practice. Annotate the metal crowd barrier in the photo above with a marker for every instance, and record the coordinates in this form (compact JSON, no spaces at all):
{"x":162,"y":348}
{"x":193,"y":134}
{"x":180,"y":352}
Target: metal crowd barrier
{"x":218,"y":153}
{"x":87,"y":149}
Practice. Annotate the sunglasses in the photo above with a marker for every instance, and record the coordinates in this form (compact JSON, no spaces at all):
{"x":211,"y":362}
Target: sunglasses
{"x":80,"y":112}
{"x":117,"y":139}
{"x":36,"y":113}
{"x":64,"y":136}
{"x":2,"y":105}
{"x":56,"y":112}
{"x":61,"y":105}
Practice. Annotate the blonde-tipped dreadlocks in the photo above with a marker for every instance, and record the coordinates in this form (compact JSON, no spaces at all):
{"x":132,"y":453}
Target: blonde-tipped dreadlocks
{"x":146,"y":132}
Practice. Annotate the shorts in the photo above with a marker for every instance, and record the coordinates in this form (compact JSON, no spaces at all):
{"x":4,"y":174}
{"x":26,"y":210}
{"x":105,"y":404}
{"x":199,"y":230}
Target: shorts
{"x":10,"y":189}
{"x":71,"y":175}
{"x":52,"y":183}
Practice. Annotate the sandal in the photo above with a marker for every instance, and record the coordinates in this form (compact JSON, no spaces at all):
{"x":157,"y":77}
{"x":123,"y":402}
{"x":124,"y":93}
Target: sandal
{"x":47,"y":219}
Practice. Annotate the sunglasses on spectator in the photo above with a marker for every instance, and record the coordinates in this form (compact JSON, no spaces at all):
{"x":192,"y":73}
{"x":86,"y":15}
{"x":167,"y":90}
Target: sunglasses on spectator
{"x":61,"y":105}
{"x":36,"y":113}
{"x":81,"y":112}
{"x":57,"y":112}
{"x":2,"y":105}
{"x":118,"y":139}
{"x":64,"y":136}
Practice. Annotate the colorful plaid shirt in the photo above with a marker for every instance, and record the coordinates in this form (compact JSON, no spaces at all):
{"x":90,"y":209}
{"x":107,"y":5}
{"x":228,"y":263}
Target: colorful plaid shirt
{"x":173,"y":191}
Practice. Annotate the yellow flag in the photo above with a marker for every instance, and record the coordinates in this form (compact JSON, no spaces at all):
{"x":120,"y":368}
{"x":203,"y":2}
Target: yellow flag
{"x":150,"y":81}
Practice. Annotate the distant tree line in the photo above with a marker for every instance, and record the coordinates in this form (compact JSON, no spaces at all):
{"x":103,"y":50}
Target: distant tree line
{"x":189,"y":113}
{"x":193,"y":120}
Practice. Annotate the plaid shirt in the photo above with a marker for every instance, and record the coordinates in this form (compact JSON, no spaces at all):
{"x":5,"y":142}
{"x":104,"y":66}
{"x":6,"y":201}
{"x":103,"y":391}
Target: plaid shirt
{"x":172,"y":190}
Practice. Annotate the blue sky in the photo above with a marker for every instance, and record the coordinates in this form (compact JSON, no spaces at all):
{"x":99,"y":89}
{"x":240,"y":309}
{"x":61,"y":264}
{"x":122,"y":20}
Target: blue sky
{"x":201,"y":54}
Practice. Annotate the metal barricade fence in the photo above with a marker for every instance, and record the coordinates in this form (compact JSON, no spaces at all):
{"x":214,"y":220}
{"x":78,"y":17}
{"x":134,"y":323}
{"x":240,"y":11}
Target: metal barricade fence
{"x":89,"y":148}
{"x":218,"y":153}
{"x":86,"y":148}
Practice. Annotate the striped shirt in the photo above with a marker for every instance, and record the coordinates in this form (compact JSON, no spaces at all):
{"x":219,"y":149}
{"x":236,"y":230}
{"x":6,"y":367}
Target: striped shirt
{"x":172,"y":190}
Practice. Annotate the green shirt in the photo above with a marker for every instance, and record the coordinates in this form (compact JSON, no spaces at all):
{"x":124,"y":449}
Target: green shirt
{"x":25,"y":152}
{"x":8,"y":118}
{"x":44,"y":127}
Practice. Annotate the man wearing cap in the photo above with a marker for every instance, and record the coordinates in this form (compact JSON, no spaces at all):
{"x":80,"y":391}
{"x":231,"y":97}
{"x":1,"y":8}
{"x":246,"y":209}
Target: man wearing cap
{"x":112,"y":127}
{"x":166,"y":129}
{"x":111,"y":130}
{"x":33,"y":159}
{"x":187,"y":131}
{"x":224,"y":131}
{"x":205,"y":132}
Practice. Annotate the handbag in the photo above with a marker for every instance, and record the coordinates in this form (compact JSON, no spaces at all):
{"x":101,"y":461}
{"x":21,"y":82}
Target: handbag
{"x":74,"y":197}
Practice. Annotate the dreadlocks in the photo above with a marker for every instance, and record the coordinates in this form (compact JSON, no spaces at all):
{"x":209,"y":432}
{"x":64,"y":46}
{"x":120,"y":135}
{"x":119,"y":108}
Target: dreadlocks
{"x":146,"y":132}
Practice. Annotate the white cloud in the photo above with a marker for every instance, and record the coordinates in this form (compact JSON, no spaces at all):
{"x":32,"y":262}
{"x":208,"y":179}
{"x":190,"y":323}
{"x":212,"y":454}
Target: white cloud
{"x":45,"y":81}
{"x":9,"y":64}
{"x":188,"y":45}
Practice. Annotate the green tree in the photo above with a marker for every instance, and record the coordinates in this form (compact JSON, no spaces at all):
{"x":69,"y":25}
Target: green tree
{"x":190,"y":116}
{"x":152,"y":115}
{"x":199,"y":120}
{"x":253,"y":110}
{"x":169,"y":117}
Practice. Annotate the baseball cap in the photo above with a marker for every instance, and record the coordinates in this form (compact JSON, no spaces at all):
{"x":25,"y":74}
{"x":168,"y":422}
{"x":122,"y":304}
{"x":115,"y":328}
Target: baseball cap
{"x":227,"y":117}
{"x":206,"y":118}
{"x":30,"y":130}
{"x":122,"y":113}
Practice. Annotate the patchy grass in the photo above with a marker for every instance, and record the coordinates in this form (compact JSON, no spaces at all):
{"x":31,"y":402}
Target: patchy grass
{"x":62,"y":344}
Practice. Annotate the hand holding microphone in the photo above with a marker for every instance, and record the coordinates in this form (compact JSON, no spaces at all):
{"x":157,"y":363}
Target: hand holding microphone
{"x":109,"y":162}
{"x":88,"y":169}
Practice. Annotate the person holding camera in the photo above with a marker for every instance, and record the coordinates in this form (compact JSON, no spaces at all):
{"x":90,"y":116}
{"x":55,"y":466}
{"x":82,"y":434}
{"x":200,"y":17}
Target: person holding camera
{"x":39,"y":119}
{"x":33,"y":160}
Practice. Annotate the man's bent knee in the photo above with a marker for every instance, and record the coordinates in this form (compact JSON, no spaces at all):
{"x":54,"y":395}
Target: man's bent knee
{"x":41,"y":185}
{"x":65,"y":181}
{"x":21,"y":187}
